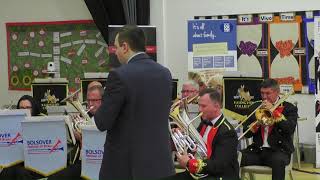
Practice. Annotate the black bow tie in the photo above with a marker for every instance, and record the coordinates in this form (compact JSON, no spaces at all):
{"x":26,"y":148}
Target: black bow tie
{"x":207,"y":122}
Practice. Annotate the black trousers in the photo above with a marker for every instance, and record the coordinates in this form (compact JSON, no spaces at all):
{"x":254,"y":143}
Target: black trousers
{"x":73,"y":172}
{"x":18,"y":172}
{"x":186,"y":176}
{"x":277,"y":160}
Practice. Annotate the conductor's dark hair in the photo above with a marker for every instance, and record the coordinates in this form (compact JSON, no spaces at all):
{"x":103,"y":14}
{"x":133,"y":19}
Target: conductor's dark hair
{"x":134,"y":36}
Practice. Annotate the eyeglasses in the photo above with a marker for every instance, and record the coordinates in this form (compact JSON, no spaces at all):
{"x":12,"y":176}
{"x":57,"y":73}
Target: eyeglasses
{"x":188,"y":91}
{"x":93,"y":100}
{"x":26,"y":107}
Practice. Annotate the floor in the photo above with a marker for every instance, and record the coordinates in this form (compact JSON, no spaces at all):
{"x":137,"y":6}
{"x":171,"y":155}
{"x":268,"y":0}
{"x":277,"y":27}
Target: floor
{"x":297,"y":174}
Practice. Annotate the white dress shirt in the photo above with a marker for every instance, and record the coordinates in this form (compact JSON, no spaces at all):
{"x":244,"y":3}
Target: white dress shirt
{"x":266,"y":132}
{"x":206,"y":133}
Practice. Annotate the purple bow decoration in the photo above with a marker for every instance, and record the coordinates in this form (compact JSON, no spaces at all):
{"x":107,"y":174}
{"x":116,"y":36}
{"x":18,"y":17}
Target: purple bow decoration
{"x":247,"y":47}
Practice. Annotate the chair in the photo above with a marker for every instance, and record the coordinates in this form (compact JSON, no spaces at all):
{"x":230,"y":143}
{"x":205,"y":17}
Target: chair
{"x":251,"y":170}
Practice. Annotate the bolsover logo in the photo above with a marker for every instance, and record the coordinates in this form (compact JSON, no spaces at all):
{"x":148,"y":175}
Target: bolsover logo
{"x":44,"y":146}
{"x":9,"y":139}
{"x":243,"y":99}
{"x":93,"y":156}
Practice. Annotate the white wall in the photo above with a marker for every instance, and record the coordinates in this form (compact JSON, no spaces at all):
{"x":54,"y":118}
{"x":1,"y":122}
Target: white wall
{"x":174,"y":32}
{"x":32,"y":11}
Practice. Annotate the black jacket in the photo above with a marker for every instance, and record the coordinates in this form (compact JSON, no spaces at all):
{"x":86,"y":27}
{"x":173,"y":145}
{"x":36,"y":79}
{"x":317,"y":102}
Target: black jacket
{"x":281,"y":136}
{"x":223,"y":161}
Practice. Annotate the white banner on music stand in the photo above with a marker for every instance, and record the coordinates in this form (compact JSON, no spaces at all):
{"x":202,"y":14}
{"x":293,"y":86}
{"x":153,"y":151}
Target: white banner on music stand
{"x":11,"y":143}
{"x":45,"y":144}
{"x":92,"y":151}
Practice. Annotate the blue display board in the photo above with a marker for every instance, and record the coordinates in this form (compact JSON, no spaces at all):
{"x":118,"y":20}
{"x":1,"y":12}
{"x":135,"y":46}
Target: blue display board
{"x":212,"y":45}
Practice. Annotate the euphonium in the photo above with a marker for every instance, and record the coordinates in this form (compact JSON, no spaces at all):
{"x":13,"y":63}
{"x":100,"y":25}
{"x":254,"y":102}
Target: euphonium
{"x":78,"y":122}
{"x":188,"y":137}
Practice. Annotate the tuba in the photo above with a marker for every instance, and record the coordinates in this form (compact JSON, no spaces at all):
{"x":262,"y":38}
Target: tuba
{"x":78,"y":122}
{"x":263,"y":116}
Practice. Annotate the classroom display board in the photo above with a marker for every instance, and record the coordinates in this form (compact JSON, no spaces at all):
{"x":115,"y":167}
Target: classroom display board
{"x":74,"y":47}
{"x":272,"y":45}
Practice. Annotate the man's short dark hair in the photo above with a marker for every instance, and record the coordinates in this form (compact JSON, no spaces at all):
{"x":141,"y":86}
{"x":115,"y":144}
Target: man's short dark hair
{"x":134,"y":36}
{"x":270,"y":83}
{"x":214,"y":95}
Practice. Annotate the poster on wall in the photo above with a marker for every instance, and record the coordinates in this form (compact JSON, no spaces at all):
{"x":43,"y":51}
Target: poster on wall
{"x":317,"y":94}
{"x":75,"y":47}
{"x":252,"y":46}
{"x":308,"y":23}
{"x":317,"y":36}
{"x":284,"y":62}
{"x":212,"y":45}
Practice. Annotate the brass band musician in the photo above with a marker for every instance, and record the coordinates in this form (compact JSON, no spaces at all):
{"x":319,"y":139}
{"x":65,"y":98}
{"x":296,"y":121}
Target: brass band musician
{"x":221,"y":141}
{"x":94,"y":95}
{"x":28,"y":102}
{"x":272,"y":144}
{"x":189,"y":88}
{"x":18,"y":171}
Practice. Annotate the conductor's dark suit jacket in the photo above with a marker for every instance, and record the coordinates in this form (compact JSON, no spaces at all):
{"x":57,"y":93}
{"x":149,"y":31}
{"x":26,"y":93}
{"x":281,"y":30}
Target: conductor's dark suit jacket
{"x":281,"y":136}
{"x":135,"y":112}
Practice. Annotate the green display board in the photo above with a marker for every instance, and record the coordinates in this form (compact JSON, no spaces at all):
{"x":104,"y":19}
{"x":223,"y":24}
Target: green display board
{"x":75,"y":47}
